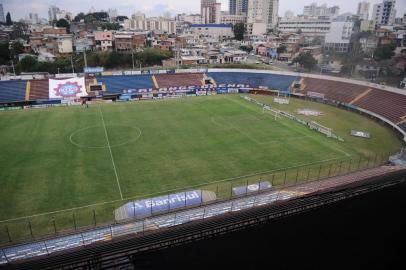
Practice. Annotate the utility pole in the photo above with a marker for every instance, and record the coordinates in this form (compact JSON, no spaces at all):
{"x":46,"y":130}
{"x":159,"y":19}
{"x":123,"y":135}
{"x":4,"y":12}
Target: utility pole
{"x":71,"y":62}
{"x":14,"y":71}
{"x":132,"y":57}
{"x":85,"y":58}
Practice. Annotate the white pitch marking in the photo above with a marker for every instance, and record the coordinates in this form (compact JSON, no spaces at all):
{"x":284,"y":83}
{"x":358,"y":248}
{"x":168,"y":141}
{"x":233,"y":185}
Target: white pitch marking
{"x":169,"y":190}
{"x":111,"y":153}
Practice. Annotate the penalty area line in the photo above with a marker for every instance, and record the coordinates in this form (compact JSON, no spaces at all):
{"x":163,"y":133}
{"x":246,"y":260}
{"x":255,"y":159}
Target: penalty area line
{"x":111,"y":153}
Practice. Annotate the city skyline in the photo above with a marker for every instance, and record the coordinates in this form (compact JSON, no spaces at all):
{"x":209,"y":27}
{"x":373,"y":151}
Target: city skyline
{"x":19,"y":9}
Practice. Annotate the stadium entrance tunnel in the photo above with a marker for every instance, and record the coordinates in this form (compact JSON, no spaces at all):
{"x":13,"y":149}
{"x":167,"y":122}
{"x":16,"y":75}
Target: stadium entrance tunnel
{"x":111,"y":135}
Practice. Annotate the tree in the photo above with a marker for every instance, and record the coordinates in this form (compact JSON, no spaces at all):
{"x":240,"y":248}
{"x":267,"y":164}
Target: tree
{"x":239,"y":29}
{"x":16,"y":48}
{"x":121,"y":18}
{"x":8,"y":19}
{"x":28,"y":64}
{"x":306,"y":60}
{"x":281,"y":49}
{"x":79,"y":17}
{"x":4,"y":54}
{"x":384,"y":52}
{"x":248,"y":48}
{"x":63,"y":23}
{"x":111,"y":26}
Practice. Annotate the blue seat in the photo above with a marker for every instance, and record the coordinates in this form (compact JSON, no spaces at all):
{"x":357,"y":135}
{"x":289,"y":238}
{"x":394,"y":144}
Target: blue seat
{"x":116,"y":84}
{"x":12,"y":91}
{"x":273,"y":81}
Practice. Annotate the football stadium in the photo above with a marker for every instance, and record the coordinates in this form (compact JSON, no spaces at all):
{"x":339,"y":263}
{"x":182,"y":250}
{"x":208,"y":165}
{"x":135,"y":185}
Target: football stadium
{"x":92,"y":157}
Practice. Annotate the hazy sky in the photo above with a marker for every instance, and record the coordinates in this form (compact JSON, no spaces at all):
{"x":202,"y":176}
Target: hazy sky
{"x":20,"y":8}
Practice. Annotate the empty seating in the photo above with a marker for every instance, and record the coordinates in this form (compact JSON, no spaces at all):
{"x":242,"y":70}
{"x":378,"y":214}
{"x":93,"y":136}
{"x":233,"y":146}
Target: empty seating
{"x":39,"y":89}
{"x":403,"y":126}
{"x":333,"y":90}
{"x":273,"y":81}
{"x":387,"y":104}
{"x":116,"y":84}
{"x":180,"y":79}
{"x":12,"y":91}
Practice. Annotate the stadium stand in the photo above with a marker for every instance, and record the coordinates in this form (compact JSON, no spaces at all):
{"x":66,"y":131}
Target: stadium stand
{"x":38,"y":89}
{"x":387,"y":104}
{"x":12,"y":91}
{"x":333,"y":90}
{"x":180,"y":79}
{"x":403,"y":126}
{"x":273,"y":81}
{"x":116,"y":84}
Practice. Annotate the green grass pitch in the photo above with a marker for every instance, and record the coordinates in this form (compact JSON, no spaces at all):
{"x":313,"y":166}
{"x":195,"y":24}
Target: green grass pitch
{"x":68,"y":157}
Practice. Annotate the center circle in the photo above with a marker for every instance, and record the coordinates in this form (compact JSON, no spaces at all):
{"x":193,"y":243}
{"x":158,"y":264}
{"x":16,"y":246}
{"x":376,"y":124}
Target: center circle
{"x":98,"y":137}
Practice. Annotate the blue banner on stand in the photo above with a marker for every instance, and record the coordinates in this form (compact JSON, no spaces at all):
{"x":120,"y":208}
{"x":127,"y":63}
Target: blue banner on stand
{"x":146,"y":207}
{"x":240,"y":190}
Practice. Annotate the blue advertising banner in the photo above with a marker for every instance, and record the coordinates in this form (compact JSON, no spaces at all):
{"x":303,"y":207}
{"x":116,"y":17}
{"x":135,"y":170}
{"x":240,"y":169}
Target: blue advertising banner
{"x":240,"y":190}
{"x":146,"y":207}
{"x":93,"y":69}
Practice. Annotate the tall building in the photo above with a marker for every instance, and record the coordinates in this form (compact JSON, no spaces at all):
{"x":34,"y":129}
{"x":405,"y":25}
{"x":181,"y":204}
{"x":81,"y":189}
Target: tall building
{"x":262,"y":15}
{"x":339,"y":37}
{"x":308,"y":26}
{"x":314,"y":10}
{"x":52,"y":13}
{"x":33,"y":18}
{"x":210,"y":11}
{"x":112,"y":13}
{"x":238,"y":7}
{"x":2,"y":18}
{"x":384,"y":13}
{"x":363,"y":10}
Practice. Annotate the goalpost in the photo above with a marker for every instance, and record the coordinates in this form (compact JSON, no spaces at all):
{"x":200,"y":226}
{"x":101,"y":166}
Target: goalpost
{"x":275,"y":113}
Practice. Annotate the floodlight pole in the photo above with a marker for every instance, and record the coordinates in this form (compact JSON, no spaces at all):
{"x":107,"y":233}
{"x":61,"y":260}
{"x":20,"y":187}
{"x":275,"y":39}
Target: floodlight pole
{"x":132,"y":57}
{"x":14,"y":71}
{"x":85,"y":58}
{"x":71,"y":63}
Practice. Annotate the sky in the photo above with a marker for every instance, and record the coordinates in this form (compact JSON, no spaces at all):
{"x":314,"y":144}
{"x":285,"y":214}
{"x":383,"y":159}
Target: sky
{"x":21,"y":8}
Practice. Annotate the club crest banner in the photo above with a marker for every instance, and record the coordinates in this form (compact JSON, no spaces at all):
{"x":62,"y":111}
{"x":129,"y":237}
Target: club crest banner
{"x":67,"y":89}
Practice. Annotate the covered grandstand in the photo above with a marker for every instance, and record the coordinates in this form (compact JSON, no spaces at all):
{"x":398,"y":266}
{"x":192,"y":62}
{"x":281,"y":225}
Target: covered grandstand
{"x":116,"y":84}
{"x":11,"y":91}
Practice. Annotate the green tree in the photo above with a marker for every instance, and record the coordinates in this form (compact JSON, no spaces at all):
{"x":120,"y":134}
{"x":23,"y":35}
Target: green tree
{"x":111,"y":26}
{"x":63,"y":23}
{"x":306,"y":60}
{"x":248,"y":48}
{"x":281,"y":49}
{"x":80,"y":16}
{"x":28,"y":64}
{"x":8,"y":19}
{"x":384,"y":52}
{"x":121,"y":18}
{"x":239,"y":29}
{"x":4,"y":54}
{"x":16,"y":48}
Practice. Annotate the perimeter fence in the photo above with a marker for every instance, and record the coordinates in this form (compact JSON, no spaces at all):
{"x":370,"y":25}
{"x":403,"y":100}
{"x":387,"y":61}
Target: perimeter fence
{"x":58,"y":223}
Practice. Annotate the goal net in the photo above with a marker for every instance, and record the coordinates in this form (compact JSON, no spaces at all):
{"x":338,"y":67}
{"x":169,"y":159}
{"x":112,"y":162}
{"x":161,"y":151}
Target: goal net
{"x":268,"y":110}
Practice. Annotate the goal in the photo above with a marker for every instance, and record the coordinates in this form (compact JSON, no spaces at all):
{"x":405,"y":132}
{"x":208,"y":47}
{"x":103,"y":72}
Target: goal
{"x":268,"y":110}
